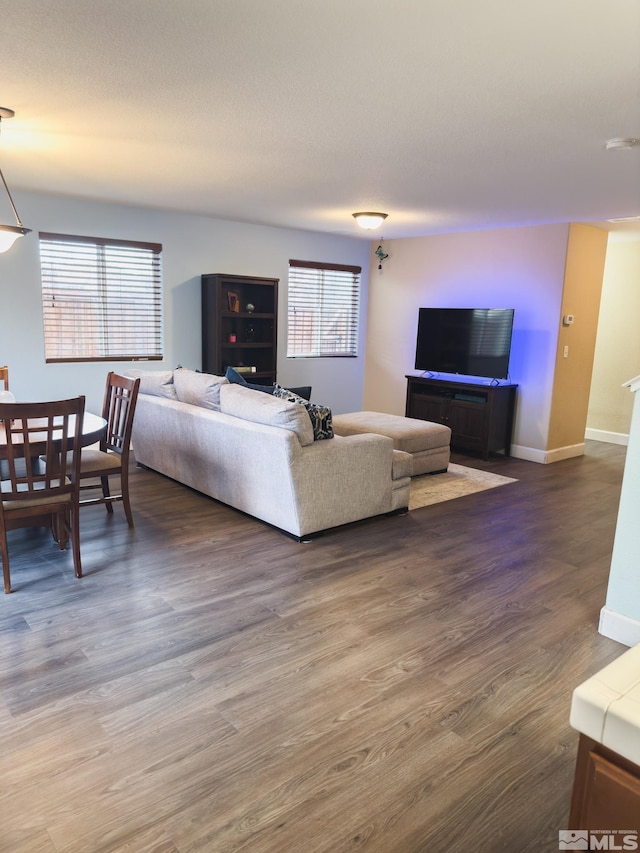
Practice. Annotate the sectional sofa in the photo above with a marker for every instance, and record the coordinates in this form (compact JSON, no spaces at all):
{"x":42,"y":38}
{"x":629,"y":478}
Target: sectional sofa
{"x":258,"y":454}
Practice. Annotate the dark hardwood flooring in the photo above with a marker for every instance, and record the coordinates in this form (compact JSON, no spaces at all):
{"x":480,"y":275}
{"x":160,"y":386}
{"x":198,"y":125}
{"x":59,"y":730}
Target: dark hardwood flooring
{"x":398,"y":686}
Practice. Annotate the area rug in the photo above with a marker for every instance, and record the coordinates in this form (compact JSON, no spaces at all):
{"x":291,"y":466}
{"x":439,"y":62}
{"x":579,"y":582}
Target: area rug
{"x":458,"y":481}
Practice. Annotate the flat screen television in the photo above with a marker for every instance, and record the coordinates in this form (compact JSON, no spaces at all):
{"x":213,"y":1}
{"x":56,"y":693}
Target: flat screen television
{"x":471,"y":341}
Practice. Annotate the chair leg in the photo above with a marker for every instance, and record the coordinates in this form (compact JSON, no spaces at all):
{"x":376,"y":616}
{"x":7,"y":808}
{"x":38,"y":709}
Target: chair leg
{"x":55,"y":533}
{"x":73,"y":524}
{"x":124,"y":482}
{"x":106,"y":493}
{"x":5,"y":564}
{"x":59,"y":529}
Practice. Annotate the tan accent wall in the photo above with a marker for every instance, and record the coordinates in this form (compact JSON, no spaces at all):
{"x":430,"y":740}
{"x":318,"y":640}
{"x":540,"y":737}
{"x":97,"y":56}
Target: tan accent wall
{"x":584,"y":269}
{"x":617,"y":354}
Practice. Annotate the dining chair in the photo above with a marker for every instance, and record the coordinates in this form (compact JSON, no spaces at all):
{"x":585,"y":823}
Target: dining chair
{"x":42,"y":448}
{"x":4,"y":377}
{"x":112,"y":456}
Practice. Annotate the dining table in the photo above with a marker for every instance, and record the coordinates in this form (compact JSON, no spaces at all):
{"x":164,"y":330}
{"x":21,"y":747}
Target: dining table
{"x":93,"y":428}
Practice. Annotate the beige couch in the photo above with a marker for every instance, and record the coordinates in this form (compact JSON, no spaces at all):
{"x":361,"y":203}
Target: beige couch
{"x":257,"y":453}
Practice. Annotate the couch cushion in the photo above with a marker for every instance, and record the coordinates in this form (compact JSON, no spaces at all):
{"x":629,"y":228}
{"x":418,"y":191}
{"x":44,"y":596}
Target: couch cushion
{"x":262,"y":408}
{"x":402,"y":465}
{"x":198,"y":389}
{"x":320,"y":416}
{"x":409,"y":434}
{"x":158,"y":383}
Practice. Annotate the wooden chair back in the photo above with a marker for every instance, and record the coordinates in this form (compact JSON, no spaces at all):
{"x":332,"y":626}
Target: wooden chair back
{"x":42,"y":449}
{"x":118,"y":409}
{"x":41,"y":442}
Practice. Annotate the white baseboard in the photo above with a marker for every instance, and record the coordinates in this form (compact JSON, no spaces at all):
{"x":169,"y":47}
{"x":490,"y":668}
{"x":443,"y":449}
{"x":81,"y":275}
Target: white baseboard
{"x":519,"y":451}
{"x":623,"y":629}
{"x":609,"y":437}
{"x":531,"y":454}
{"x":565,"y":452}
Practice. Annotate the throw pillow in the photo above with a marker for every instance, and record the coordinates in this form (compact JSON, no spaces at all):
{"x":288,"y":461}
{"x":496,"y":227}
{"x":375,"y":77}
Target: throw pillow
{"x":198,"y":389}
{"x":158,"y":383}
{"x":320,"y":416}
{"x":238,"y":379}
{"x":302,"y":391}
{"x":261,"y":408}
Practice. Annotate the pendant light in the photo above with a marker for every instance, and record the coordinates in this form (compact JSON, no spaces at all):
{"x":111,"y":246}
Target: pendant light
{"x":10,"y":233}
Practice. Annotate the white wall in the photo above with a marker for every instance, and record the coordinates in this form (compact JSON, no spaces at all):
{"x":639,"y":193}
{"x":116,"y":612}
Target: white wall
{"x":620,"y":617}
{"x":192,"y":245}
{"x":617,"y":353}
{"x":521,"y":268}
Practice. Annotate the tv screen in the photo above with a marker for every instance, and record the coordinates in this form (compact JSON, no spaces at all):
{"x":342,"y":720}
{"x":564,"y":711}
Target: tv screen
{"x":472,"y":341}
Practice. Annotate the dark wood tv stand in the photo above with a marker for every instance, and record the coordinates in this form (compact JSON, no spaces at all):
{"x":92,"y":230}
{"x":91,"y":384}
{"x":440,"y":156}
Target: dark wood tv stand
{"x":480,"y":416}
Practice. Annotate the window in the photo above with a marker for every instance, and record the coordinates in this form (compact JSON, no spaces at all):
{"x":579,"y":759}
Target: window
{"x":101,"y":299}
{"x":323,"y":310}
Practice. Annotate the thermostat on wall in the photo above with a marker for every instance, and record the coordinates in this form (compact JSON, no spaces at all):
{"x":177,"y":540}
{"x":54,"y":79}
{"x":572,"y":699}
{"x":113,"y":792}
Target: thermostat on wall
{"x":567,"y":320}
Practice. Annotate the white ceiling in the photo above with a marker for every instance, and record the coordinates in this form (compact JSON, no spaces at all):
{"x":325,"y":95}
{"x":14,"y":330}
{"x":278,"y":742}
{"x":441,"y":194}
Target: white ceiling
{"x":448,"y":115}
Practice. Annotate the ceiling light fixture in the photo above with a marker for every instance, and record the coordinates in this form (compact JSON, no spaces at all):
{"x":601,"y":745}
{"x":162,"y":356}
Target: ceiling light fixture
{"x":621,"y":143}
{"x":369,"y":220}
{"x":10,"y":233}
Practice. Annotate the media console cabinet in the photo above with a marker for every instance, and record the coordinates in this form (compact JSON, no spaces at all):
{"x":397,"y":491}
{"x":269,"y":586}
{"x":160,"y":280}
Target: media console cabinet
{"x":480,"y":416}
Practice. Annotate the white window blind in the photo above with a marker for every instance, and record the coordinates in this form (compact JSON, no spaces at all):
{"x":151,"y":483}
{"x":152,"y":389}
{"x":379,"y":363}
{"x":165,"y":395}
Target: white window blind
{"x":101,"y":299}
{"x":323,"y":310}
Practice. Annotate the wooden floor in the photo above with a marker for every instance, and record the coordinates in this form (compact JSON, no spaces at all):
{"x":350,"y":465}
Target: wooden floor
{"x":396,"y":686}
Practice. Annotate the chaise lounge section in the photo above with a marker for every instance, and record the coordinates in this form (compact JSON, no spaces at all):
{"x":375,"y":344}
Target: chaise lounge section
{"x":427,"y":442}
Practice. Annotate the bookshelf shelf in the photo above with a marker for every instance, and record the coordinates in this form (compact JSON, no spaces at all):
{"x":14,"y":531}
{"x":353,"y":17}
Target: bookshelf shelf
{"x":255,"y":331}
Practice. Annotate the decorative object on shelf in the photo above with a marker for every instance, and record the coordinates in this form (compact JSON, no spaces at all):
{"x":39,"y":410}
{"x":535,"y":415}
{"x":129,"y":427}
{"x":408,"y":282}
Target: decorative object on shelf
{"x":234,"y":301}
{"x":250,"y":307}
{"x":232,"y":338}
{"x":250,"y":333}
{"x":381,"y":255}
{"x":10,"y":233}
{"x":369,"y":220}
